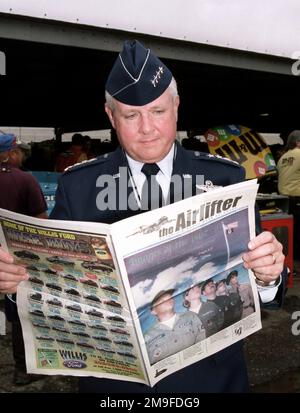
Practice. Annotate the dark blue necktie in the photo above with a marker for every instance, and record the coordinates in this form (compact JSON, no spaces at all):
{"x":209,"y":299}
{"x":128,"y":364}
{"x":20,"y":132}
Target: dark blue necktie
{"x":152,"y":196}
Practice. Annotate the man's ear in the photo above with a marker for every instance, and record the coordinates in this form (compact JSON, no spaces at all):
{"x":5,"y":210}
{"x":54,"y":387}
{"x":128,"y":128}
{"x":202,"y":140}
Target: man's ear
{"x":176,"y":106}
{"x":109,"y":112}
{"x":12,"y":153}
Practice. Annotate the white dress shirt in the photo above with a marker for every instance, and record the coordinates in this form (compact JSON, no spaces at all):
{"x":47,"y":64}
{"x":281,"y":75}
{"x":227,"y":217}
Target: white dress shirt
{"x":163,"y":177}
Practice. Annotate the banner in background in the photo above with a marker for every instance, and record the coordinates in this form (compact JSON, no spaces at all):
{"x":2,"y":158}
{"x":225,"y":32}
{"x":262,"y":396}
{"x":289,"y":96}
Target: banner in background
{"x":243,"y":145}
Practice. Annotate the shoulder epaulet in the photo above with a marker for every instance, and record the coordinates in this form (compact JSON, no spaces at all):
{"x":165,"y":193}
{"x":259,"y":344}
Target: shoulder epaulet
{"x":88,"y":162}
{"x":218,"y":158}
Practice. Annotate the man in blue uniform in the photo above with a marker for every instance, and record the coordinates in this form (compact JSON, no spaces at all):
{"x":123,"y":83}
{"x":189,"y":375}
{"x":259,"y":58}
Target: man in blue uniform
{"x":142,"y":105}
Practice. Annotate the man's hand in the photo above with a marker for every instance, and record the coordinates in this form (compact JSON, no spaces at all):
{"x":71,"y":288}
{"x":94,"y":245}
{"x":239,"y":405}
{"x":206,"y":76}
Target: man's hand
{"x":265,"y":257}
{"x":10,"y":274}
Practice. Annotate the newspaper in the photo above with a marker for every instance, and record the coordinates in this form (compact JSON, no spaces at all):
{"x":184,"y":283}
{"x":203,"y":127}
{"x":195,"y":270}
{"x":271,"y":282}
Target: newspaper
{"x":139,"y":299}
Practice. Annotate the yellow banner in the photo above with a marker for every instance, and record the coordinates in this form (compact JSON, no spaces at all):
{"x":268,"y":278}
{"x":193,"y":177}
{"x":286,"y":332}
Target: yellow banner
{"x":243,"y":145}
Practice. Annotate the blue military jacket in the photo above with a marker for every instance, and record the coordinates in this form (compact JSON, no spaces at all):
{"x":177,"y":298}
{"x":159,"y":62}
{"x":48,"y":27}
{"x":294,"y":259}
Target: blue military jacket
{"x":76,"y":199}
{"x":79,"y":187}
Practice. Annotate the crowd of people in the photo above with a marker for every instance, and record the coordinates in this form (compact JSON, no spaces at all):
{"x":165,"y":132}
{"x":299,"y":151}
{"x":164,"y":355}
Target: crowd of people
{"x":211,"y":306}
{"x":54,"y":156}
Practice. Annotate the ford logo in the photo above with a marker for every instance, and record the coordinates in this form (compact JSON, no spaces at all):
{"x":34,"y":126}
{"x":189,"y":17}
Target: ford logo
{"x":74,"y":364}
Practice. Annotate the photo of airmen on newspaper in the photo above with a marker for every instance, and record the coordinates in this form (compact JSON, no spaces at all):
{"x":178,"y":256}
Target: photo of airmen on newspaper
{"x":190,"y":288}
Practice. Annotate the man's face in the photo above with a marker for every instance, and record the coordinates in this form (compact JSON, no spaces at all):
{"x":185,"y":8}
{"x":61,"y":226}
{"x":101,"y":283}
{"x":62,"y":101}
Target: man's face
{"x":193,"y":293}
{"x":221,"y":289}
{"x":164,"y":304}
{"x":146,"y":132}
{"x":210,"y":289}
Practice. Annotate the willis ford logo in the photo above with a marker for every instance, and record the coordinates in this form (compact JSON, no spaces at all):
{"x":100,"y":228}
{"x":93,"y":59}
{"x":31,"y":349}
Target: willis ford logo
{"x":73,"y":359}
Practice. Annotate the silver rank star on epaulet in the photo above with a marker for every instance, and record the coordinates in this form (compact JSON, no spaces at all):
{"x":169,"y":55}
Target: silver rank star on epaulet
{"x":79,"y":163}
{"x":210,"y":155}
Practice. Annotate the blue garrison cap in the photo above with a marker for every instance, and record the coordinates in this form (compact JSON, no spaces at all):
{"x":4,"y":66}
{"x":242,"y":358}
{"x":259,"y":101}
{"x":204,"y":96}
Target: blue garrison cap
{"x":7,"y":142}
{"x":138,"y":77}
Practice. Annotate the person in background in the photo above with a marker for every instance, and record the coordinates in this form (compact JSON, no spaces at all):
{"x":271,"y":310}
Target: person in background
{"x":19,"y":154}
{"x":87,"y":149}
{"x":75,"y":154}
{"x":142,"y":105}
{"x":288,"y":168}
{"x":20,"y":192}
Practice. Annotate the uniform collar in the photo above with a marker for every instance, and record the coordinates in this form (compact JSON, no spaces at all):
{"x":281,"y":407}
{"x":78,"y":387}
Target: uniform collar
{"x":165,"y":165}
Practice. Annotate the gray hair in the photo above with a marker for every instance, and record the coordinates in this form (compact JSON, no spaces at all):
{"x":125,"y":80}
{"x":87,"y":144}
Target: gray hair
{"x":292,"y":140}
{"x":172,"y":87}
